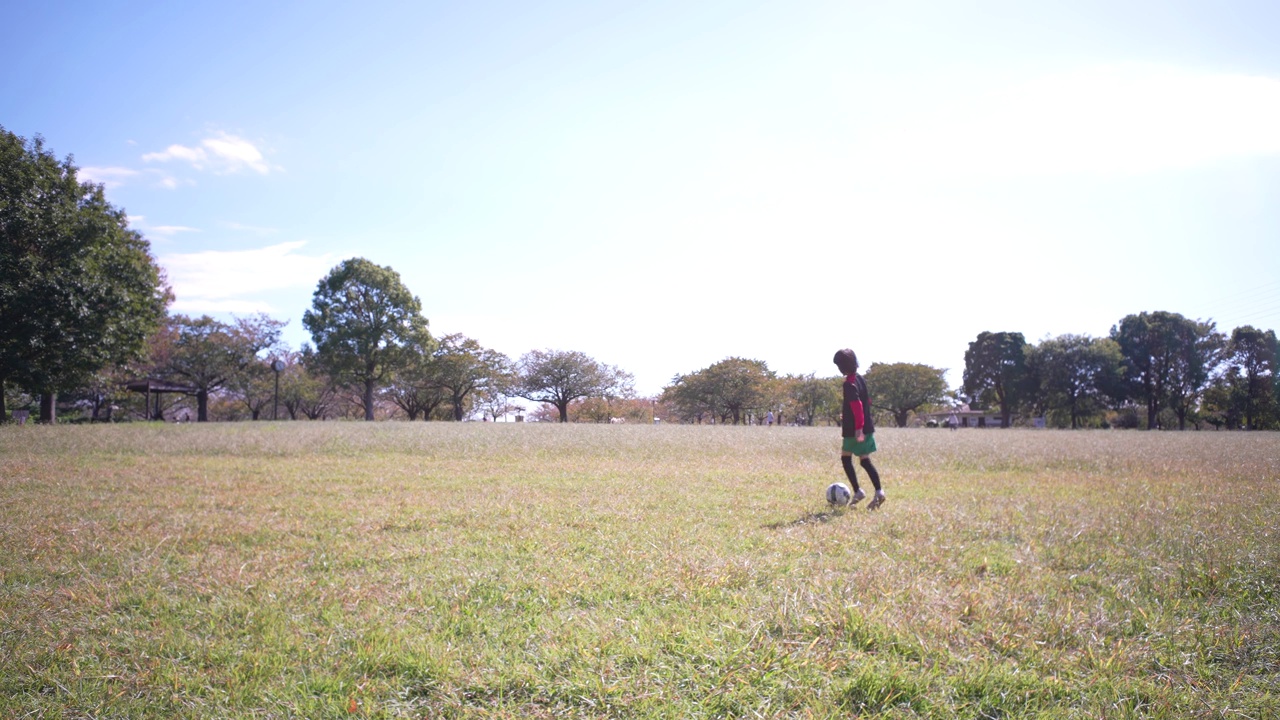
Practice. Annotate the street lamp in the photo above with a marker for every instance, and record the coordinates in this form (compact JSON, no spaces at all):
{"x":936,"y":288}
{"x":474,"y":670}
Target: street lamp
{"x":276,"y":365}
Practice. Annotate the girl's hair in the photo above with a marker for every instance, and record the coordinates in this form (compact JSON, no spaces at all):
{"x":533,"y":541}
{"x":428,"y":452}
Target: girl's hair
{"x":847,"y":361}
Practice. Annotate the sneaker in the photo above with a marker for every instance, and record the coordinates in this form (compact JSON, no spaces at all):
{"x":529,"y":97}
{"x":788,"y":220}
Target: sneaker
{"x":857,"y":497}
{"x":877,"y":501}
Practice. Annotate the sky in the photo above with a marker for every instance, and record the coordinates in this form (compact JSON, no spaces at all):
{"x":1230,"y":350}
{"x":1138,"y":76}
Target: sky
{"x":665,"y":184}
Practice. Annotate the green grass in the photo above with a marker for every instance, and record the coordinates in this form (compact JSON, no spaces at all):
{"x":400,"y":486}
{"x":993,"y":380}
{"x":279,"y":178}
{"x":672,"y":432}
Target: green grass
{"x":391,"y":570}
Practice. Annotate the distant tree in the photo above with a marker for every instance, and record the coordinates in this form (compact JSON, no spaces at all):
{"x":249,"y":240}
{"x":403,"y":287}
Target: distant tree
{"x":739,"y":385}
{"x":1252,"y":354}
{"x":728,"y":389}
{"x":103,"y":391}
{"x":902,"y":388}
{"x":255,"y":387}
{"x":495,"y":400}
{"x":1075,"y":373}
{"x":208,"y":354}
{"x":416,"y":389}
{"x":559,"y":377}
{"x":995,"y":369}
{"x":79,"y":290}
{"x":810,"y":397}
{"x":1216,"y":407}
{"x":1198,"y":352}
{"x":544,"y":412}
{"x":462,"y":367}
{"x":691,"y":397}
{"x":1152,"y":345}
{"x":304,"y":388}
{"x":366,"y":325}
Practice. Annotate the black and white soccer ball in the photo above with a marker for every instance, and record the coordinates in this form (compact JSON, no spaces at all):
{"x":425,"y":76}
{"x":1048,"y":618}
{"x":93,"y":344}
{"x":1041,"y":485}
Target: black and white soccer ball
{"x":838,"y":494}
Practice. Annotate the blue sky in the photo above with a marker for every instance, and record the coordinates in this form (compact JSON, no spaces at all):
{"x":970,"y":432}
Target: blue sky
{"x":665,"y":184}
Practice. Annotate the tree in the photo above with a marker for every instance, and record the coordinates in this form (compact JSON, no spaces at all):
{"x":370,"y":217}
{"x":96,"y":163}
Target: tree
{"x":366,"y":325}
{"x":691,"y":396}
{"x":462,"y":366}
{"x":1197,"y":353}
{"x":728,"y":389}
{"x":304,"y":389}
{"x":495,"y":400}
{"x":811,"y":397}
{"x":415,"y":388}
{"x":1151,"y":344}
{"x":79,"y":290}
{"x":902,"y":388}
{"x":254,"y":388}
{"x":1252,"y":354}
{"x":560,"y":377}
{"x":1074,"y":373}
{"x":208,"y":354}
{"x":995,"y":368}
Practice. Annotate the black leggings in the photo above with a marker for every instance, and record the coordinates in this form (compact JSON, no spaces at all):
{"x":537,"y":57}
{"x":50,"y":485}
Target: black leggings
{"x":847,"y":462}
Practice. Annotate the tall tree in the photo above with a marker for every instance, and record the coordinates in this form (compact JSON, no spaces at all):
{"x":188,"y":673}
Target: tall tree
{"x":365,"y":325}
{"x":1252,"y":353}
{"x":902,"y":388}
{"x":79,"y":290}
{"x":208,"y":354}
{"x":995,"y":368}
{"x":1198,"y":352}
{"x":1152,"y":343}
{"x":1075,"y":373}
{"x":559,"y":377}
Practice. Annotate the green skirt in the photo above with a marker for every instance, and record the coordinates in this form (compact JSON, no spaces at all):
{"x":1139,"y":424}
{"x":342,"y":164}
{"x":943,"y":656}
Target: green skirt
{"x":866,"y":447}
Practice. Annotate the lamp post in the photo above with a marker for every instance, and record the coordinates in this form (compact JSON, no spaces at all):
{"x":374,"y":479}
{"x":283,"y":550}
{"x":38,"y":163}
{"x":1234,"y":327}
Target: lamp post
{"x":276,"y":365}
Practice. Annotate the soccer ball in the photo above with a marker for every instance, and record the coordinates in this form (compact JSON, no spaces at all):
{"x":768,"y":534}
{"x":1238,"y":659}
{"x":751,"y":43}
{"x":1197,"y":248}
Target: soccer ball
{"x":838,"y":494}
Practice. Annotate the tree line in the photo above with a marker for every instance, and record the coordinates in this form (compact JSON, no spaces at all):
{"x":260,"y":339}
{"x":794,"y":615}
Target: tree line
{"x":1154,"y":370}
{"x":84,"y":310}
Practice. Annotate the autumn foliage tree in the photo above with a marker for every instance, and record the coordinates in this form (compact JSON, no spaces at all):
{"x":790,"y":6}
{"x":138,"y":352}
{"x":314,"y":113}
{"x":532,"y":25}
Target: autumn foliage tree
{"x":558,"y":377}
{"x":209,"y":355}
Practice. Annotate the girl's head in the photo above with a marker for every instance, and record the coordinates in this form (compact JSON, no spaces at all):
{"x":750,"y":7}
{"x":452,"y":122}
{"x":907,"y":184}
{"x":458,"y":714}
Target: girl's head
{"x":846,"y":361}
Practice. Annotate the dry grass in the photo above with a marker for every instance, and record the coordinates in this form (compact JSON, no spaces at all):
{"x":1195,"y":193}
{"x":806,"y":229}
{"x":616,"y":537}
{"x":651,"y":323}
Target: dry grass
{"x":446,"y":570}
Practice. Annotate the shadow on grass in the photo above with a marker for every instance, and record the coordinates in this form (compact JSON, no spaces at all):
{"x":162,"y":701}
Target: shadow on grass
{"x":808,"y":518}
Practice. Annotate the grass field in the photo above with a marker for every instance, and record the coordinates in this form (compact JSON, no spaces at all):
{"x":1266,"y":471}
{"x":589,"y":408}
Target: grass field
{"x":323,"y":570}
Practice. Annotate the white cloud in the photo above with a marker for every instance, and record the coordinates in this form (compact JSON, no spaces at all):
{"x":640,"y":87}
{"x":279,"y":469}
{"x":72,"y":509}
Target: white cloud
{"x":165,"y":232}
{"x":110,"y":177}
{"x":114,"y":177}
{"x":252,"y":229}
{"x":228,"y":281}
{"x":221,"y":154}
{"x":1105,"y":121}
{"x":171,"y":229}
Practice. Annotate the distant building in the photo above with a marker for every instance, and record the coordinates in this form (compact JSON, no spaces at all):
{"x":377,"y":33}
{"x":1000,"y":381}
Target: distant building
{"x":965,"y":418}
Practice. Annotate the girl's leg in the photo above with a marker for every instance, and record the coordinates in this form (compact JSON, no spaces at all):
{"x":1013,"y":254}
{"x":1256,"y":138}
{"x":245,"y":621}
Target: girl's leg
{"x":846,"y":459}
{"x":865,"y":462}
{"x":878,"y":500}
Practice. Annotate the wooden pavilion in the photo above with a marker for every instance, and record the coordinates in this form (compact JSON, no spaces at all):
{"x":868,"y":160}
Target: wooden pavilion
{"x":151,"y":386}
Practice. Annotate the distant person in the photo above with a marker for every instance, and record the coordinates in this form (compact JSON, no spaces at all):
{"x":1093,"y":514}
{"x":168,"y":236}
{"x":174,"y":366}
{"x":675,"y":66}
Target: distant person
{"x":768,"y":419}
{"x":952,"y":422}
{"x":857,"y":428}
